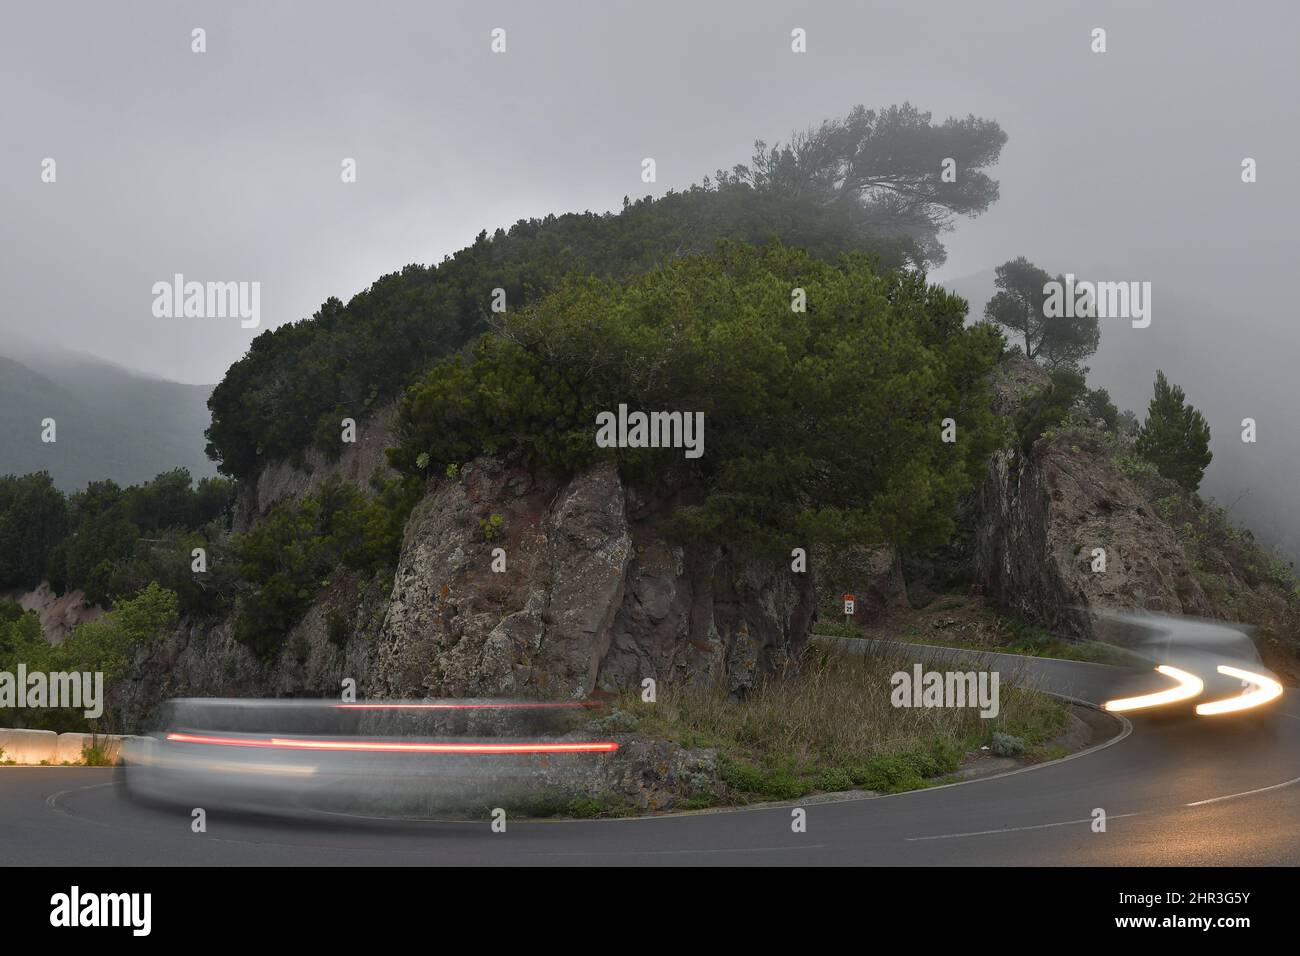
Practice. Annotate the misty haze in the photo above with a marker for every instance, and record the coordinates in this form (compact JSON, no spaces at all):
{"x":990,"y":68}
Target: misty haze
{"x":356,"y":366}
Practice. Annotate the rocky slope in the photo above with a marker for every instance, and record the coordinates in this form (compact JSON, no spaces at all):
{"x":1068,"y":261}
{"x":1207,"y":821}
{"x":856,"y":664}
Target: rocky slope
{"x":59,"y":613}
{"x":513,"y":583}
{"x":1040,"y":518}
{"x":592,"y":601}
{"x":358,"y":463}
{"x":592,"y":598}
{"x":201,"y":658}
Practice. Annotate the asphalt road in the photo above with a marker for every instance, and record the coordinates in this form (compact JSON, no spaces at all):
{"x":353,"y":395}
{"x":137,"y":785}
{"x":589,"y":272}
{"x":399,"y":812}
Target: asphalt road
{"x":1195,"y":791}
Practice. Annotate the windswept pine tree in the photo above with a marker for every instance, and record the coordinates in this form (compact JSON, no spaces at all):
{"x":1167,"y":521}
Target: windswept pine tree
{"x":1020,"y":307}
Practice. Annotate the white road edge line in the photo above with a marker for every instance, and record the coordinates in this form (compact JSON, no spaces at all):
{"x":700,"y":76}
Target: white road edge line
{"x":1038,"y":826}
{"x":1244,"y":793}
{"x":747,"y":849}
{"x":1117,"y":816}
{"x":1126,"y":728}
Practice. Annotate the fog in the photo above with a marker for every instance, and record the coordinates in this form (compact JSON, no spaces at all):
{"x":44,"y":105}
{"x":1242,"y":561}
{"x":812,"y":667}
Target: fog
{"x":225,"y":165}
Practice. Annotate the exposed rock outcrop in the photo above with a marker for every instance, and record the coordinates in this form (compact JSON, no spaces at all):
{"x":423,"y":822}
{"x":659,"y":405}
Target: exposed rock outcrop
{"x":332,"y":642}
{"x":592,"y":600}
{"x":1044,"y":521}
{"x":357,"y":463}
{"x":59,"y":613}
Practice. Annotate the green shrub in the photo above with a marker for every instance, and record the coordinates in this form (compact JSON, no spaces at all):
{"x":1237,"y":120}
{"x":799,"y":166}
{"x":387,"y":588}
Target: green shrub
{"x":774,"y":783}
{"x":285,"y":558}
{"x":834,"y":779}
{"x":95,"y":757}
{"x":1006,"y":745}
{"x":491,"y":527}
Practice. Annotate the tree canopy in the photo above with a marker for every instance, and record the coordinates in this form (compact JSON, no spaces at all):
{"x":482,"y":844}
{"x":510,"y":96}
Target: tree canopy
{"x":298,"y":381}
{"x":1175,"y":437}
{"x":1019,"y":306}
{"x":104,"y":538}
{"x":822,"y":425}
{"x":885,"y":166}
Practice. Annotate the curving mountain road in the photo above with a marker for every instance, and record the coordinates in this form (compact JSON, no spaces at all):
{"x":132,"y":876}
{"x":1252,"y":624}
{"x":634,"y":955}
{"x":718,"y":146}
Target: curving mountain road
{"x":1176,"y":792}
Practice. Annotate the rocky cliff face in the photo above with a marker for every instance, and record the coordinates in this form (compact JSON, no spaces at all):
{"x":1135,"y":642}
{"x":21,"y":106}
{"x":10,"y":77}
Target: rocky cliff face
{"x":357,"y":463}
{"x":592,"y":599}
{"x":1041,"y":520}
{"x":203,"y":659}
{"x":1044,"y":517}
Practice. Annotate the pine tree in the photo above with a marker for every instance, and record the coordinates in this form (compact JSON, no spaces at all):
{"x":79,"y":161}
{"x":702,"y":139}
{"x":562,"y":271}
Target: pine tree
{"x":1175,"y":437}
{"x":1020,"y":307}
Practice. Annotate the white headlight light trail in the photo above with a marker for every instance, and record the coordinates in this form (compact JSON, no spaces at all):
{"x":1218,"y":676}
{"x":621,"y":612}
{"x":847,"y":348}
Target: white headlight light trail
{"x":1263,"y":689}
{"x":1189,"y":685}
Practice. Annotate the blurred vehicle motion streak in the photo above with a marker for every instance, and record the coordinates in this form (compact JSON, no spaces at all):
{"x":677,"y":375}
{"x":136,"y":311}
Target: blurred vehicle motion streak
{"x":386,"y":758}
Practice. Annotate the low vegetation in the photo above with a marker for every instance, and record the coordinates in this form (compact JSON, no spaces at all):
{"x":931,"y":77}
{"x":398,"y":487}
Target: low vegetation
{"x":106,"y":646}
{"x":831,"y":726}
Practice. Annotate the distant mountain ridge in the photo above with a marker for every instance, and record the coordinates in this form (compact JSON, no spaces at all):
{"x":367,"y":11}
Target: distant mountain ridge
{"x":111,"y":422}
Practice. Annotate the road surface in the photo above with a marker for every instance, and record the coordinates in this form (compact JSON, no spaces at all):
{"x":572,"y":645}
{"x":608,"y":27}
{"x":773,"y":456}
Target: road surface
{"x":1197,"y":791}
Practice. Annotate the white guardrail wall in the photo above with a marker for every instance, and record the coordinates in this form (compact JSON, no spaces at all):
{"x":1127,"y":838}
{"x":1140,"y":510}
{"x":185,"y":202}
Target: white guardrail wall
{"x":34,"y":747}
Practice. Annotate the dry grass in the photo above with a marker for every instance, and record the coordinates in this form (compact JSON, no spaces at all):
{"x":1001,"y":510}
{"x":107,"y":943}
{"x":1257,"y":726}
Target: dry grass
{"x":831,"y":726}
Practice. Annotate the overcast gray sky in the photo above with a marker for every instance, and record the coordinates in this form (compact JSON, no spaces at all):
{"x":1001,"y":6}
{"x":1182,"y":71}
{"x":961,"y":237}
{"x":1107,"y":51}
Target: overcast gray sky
{"x":225,"y":165}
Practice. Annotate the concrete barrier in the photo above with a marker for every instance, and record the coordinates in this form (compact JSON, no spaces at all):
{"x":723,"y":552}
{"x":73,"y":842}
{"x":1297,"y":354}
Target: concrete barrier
{"x":30,"y":746}
{"x":71,"y":745}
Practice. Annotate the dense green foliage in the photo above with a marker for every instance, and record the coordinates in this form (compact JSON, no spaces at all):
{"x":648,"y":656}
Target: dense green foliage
{"x":1175,"y":437}
{"x":821,"y":425}
{"x":104,"y":646}
{"x":33,"y":520}
{"x":106,"y":538}
{"x":116,"y":542}
{"x":299,"y":380}
{"x":791,"y":399}
{"x":285,"y":558}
